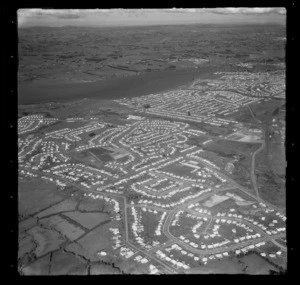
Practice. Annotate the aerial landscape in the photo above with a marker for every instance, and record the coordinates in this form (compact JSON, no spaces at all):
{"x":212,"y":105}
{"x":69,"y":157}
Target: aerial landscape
{"x":151,"y":149}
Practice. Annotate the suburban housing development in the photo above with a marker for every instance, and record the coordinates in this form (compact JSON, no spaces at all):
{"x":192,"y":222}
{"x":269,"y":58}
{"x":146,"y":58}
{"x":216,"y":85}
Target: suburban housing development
{"x":152,"y":141}
{"x":170,"y":205}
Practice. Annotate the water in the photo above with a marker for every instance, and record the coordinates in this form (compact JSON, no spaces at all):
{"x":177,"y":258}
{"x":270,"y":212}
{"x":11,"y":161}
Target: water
{"x":116,"y":88}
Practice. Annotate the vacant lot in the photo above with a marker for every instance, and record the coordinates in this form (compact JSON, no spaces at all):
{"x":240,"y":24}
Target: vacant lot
{"x":278,"y":159}
{"x":254,"y":264}
{"x":264,"y":111}
{"x":100,"y":151}
{"x":229,"y":148}
{"x":241,"y":172}
{"x":214,"y":200}
{"x":178,"y":169}
{"x":102,"y":154}
{"x":227,"y":266}
{"x":271,"y":188}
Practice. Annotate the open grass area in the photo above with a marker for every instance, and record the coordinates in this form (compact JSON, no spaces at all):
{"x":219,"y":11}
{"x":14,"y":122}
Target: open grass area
{"x":100,"y":269}
{"x":241,"y":172}
{"x":88,"y":220}
{"x":224,"y":206}
{"x":228,"y":148}
{"x":278,"y":159}
{"x":46,"y":239}
{"x":64,"y":206}
{"x":254,"y":264}
{"x":100,"y":151}
{"x":37,"y":195}
{"x":264,"y":111}
{"x":178,"y":169}
{"x":38,"y":267}
{"x":69,"y":230}
{"x":67,"y":264}
{"x":185,"y":224}
{"x":218,"y":267}
{"x":271,"y":187}
{"x":89,"y":245}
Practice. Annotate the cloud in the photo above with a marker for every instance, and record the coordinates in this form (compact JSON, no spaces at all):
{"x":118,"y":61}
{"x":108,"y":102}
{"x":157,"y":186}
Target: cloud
{"x":68,"y":16}
{"x":252,"y":11}
{"x":24,"y":14}
{"x":176,"y":10}
{"x":75,"y":13}
{"x":99,"y":16}
{"x":63,"y":13}
{"x":228,"y":10}
{"x":187,"y":10}
{"x":40,"y":16}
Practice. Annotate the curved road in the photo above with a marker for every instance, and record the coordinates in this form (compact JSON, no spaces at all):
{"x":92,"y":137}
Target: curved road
{"x":172,"y":212}
{"x":223,"y":248}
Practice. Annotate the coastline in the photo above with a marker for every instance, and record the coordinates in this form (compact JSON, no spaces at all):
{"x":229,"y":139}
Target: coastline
{"x":45,"y":91}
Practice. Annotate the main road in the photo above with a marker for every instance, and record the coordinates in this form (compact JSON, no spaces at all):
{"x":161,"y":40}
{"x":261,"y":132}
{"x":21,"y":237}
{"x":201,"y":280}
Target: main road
{"x":243,"y":189}
{"x":171,"y":214}
{"x":253,"y":177}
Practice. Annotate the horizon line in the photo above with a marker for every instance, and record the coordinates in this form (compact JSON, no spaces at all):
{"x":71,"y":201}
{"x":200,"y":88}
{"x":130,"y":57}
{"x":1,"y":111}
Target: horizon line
{"x":157,"y":25}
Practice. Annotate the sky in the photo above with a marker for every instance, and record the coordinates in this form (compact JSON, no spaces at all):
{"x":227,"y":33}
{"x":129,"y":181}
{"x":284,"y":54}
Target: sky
{"x":142,"y":17}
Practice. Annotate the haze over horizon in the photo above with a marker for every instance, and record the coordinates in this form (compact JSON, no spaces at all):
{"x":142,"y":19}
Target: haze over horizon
{"x":145,"y":17}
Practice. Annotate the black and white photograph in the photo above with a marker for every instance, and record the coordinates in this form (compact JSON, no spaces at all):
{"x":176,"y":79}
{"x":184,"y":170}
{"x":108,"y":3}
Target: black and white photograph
{"x":151,"y":141}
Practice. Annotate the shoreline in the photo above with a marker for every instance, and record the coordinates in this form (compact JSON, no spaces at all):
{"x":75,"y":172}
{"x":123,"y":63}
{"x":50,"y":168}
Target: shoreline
{"x":55,"y":91}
